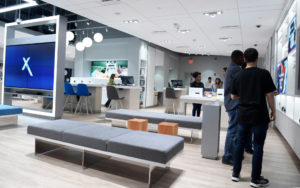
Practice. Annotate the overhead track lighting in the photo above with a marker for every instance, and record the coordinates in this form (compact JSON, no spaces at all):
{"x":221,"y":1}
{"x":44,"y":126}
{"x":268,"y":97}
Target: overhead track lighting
{"x":28,"y":3}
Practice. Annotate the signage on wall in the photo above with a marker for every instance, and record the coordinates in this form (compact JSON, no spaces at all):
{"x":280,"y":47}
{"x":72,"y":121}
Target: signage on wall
{"x":282,"y":76}
{"x":292,"y":34}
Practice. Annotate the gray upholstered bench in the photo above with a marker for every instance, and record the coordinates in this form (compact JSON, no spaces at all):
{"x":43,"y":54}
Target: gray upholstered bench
{"x":154,"y":150}
{"x":210,"y":124}
{"x":9,"y":114}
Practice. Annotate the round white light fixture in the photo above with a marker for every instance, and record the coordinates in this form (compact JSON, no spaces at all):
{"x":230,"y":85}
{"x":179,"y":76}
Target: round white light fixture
{"x":80,"y":46}
{"x":98,"y":37}
{"x":70,"y":35}
{"x":87,"y":41}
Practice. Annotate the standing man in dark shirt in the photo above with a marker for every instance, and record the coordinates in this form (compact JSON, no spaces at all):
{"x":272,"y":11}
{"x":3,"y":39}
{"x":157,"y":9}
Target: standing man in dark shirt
{"x":237,"y":58}
{"x":252,"y":86}
{"x":199,"y":84}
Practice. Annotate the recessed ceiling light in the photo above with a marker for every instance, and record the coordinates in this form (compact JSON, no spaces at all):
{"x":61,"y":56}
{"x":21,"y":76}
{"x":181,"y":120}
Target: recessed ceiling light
{"x":130,"y":21}
{"x":164,"y":41}
{"x":213,"y":14}
{"x":184,"y":31}
{"x":117,"y":13}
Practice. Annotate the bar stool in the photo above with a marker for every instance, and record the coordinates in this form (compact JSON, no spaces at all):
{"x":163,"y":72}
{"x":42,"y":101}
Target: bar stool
{"x":83,"y":94}
{"x":171,"y":95}
{"x":71,"y":95}
{"x":112,"y":94}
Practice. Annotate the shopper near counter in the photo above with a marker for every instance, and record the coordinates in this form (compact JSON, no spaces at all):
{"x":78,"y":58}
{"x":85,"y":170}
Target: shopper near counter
{"x":197,"y":83}
{"x":208,"y":83}
{"x":252,"y":87}
{"x":111,"y":82}
{"x":237,"y":58}
{"x":218,"y":84}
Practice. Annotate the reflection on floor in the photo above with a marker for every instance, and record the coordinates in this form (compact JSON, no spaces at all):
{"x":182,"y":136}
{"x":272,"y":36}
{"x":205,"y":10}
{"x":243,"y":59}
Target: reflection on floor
{"x":19,"y":167}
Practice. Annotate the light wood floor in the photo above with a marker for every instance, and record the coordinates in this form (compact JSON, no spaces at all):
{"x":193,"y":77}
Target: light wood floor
{"x":19,"y":167}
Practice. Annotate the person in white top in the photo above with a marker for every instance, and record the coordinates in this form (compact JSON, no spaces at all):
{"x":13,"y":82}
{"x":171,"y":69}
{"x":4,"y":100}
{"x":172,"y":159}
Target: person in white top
{"x":208,"y":84}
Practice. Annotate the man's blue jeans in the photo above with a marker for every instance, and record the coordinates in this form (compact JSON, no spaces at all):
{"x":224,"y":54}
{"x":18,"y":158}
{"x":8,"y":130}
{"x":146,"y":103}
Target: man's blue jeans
{"x":231,"y":136}
{"x":259,"y":136}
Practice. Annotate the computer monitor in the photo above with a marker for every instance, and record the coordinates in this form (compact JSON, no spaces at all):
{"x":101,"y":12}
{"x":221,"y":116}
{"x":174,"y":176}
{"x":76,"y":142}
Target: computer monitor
{"x":127,"y":80}
{"x":177,"y":83}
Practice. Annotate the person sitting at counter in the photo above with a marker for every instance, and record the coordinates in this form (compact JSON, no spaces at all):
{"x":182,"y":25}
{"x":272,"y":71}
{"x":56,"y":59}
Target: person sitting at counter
{"x":199,"y":84}
{"x":218,"y":84}
{"x":111,"y":82}
{"x":209,"y":84}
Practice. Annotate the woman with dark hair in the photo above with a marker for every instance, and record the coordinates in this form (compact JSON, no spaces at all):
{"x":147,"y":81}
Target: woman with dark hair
{"x":218,"y":84}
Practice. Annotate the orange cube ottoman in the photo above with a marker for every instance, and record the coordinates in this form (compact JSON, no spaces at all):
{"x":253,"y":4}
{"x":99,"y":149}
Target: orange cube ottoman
{"x":138,"y":124}
{"x":168,"y":128}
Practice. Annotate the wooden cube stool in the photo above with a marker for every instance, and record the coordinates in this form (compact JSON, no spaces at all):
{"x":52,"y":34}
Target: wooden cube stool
{"x":168,"y":128}
{"x":137,"y":124}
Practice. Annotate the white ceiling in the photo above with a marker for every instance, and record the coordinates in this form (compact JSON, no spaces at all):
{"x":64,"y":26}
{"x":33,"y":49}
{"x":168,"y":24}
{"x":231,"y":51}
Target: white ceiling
{"x":160,"y":15}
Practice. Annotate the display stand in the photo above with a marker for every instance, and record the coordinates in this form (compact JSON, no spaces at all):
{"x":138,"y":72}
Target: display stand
{"x":59,"y":38}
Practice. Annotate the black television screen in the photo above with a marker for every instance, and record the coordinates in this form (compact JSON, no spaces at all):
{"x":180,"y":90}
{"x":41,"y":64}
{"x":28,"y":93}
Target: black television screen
{"x":127,"y":80}
{"x":30,"y":66}
{"x":177,"y":83}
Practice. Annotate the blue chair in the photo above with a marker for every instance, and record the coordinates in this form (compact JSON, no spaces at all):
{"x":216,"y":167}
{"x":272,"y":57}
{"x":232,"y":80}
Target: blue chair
{"x":83,"y":94}
{"x":71,"y":95}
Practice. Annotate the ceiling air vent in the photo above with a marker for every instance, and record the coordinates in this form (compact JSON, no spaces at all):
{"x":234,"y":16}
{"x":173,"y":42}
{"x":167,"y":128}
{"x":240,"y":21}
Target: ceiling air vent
{"x":230,"y":27}
{"x":159,"y":32}
{"x":108,"y":2}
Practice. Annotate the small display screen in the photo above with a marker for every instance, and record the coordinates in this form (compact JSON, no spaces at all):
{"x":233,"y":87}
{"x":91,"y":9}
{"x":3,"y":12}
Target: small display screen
{"x":292,"y":34}
{"x":282,"y":76}
{"x":30,"y":66}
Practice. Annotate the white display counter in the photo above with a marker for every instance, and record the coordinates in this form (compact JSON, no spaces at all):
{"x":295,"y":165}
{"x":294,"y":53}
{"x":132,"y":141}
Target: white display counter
{"x":186,"y":99}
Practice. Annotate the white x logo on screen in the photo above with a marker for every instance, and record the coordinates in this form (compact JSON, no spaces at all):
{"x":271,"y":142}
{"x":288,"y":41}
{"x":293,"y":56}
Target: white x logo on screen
{"x":26,"y":65}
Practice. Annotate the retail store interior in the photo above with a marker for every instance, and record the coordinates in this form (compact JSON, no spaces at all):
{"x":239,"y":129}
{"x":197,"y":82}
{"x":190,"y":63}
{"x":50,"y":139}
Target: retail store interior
{"x":132,"y":93}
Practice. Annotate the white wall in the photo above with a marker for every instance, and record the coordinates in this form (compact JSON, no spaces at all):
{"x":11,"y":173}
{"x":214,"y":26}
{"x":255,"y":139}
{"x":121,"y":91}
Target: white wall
{"x":207,"y":65}
{"x":118,"y":49}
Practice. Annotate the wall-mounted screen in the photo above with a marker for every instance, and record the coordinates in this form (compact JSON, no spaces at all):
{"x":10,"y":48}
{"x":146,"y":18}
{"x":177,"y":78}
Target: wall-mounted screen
{"x":292,"y":34}
{"x":282,"y":76}
{"x":103,"y":69}
{"x":30,"y":66}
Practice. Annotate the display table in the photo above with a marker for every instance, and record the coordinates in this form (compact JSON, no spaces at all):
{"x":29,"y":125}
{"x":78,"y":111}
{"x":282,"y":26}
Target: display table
{"x":186,"y":99}
{"x":168,"y":103}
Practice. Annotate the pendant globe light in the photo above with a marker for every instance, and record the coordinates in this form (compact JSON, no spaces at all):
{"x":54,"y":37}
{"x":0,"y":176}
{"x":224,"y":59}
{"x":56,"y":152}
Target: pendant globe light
{"x":80,"y":46}
{"x":70,"y":36}
{"x":87,"y":41}
{"x":98,"y":37}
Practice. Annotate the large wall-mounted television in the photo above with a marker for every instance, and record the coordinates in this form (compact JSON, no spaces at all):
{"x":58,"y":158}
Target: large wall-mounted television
{"x":103,"y":69}
{"x":30,"y":66}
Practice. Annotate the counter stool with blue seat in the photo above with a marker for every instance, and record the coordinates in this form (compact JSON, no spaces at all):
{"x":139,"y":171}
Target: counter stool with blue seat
{"x":113,"y":95}
{"x":71,"y":96}
{"x":83,"y":94}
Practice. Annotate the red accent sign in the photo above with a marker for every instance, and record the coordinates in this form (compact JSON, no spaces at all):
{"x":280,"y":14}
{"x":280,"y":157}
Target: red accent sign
{"x":191,"y":61}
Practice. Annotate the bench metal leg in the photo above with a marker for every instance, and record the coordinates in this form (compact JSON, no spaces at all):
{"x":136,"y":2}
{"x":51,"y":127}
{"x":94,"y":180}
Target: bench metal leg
{"x":151,"y":168}
{"x":43,"y":148}
{"x":83,"y":160}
